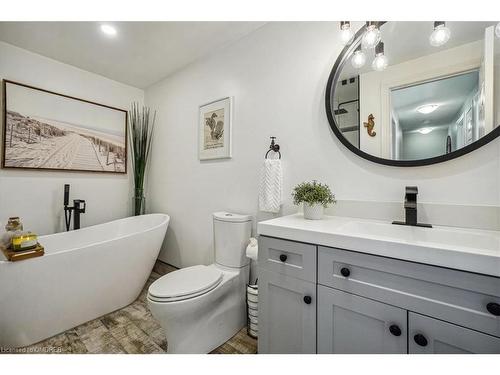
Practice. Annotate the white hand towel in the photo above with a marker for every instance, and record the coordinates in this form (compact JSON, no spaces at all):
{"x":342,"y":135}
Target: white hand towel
{"x":270,"y":190}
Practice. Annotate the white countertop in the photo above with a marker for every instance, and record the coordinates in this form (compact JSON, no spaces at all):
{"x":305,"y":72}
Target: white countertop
{"x":458,"y":248}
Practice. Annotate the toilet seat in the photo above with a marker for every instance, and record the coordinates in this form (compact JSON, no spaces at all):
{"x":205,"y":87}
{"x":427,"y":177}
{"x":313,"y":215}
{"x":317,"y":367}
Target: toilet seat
{"x":185,"y":283}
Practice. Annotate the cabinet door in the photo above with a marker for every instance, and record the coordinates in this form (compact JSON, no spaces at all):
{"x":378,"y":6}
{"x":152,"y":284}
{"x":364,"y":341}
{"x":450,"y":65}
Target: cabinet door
{"x":429,"y":336}
{"x":351,"y":324}
{"x":287,"y":314}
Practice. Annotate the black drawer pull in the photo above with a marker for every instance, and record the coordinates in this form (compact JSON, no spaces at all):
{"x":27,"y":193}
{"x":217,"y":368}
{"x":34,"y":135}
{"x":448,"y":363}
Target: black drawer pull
{"x":283,"y":257}
{"x":420,"y":339}
{"x":345,"y":271}
{"x":395,"y":330}
{"x":307,"y":299}
{"x":493,"y":308}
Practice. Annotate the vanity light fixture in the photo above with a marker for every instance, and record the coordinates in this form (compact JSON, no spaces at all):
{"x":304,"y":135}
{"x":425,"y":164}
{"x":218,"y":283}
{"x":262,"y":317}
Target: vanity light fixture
{"x":440,"y":35}
{"x":358,"y":58}
{"x":346,"y":33}
{"x":427,"y":108}
{"x":424,"y":130}
{"x":371,"y":37}
{"x":380,"y":61}
{"x":497,"y":30}
{"x":108,"y":30}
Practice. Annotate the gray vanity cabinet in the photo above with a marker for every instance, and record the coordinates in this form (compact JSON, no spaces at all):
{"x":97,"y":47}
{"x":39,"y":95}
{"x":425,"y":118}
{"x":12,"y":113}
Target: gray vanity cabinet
{"x":287,"y":296}
{"x":327,"y":300}
{"x":287,"y":314}
{"x":432,"y":336}
{"x":349,"y":324}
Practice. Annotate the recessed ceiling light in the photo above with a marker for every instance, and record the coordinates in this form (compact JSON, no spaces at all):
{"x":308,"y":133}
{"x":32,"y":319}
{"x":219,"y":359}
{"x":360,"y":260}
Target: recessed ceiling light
{"x":428,"y":108}
{"x":108,"y":30}
{"x":424,"y":130}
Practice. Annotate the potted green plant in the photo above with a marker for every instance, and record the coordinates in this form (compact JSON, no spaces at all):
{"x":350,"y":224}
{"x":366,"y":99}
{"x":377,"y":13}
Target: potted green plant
{"x":315,"y":196}
{"x":141,"y":126}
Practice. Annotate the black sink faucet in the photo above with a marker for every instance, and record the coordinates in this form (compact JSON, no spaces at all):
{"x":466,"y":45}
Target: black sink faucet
{"x":411,"y":209}
{"x":411,"y":205}
{"x":78,"y":208}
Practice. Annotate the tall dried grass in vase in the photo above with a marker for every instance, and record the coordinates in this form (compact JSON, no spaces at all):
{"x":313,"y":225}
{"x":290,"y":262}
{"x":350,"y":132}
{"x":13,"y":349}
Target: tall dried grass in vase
{"x":141,"y":127}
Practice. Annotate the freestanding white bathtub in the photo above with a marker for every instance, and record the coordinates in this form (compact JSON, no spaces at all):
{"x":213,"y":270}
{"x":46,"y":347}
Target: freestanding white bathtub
{"x":84,"y":274}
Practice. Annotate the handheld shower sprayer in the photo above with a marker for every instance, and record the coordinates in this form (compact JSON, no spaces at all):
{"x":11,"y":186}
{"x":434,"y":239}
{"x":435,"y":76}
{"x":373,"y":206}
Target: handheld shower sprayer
{"x":78,"y":208}
{"x":67,"y":210}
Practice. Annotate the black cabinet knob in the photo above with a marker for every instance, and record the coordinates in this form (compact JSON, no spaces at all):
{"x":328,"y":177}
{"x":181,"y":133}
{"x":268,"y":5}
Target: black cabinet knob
{"x":307,"y":299}
{"x":345,"y":271}
{"x":395,"y":330}
{"x":283,"y":257}
{"x":420,"y":339}
{"x":493,"y":308}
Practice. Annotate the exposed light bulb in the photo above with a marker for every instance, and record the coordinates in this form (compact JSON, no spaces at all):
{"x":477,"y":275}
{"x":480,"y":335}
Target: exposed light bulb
{"x":358,"y":58}
{"x":440,"y":35}
{"x":380,"y":62}
{"x":497,"y":30}
{"x":371,"y":37}
{"x":428,"y":108}
{"x":346,"y":33}
{"x":424,"y":130}
{"x":108,"y":30}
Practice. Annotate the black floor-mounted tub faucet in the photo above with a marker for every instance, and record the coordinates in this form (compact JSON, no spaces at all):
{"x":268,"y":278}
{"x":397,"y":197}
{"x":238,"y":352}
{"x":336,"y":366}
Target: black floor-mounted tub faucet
{"x":78,"y":208}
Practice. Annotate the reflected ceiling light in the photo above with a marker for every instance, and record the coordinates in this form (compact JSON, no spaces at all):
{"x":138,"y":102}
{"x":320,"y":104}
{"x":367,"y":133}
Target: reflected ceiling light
{"x":358,"y":58}
{"x":428,"y":108}
{"x":380,"y":61}
{"x":497,"y":30}
{"x":108,"y":30}
{"x":440,"y":35}
{"x":424,"y":130}
{"x":371,"y":37}
{"x":346,"y":33}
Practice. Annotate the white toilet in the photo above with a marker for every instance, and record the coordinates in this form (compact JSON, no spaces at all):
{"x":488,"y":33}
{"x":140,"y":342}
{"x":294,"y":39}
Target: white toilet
{"x":201,"y":307}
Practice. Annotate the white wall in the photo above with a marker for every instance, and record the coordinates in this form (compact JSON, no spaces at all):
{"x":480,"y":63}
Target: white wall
{"x":277,"y":76}
{"x":497,"y":81}
{"x":37,"y":196}
{"x":420,"y":146}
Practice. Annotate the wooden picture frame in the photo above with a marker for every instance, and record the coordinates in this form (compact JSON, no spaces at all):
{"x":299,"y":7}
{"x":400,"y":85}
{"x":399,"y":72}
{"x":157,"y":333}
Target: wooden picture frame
{"x":214,"y":129}
{"x":45,"y":130}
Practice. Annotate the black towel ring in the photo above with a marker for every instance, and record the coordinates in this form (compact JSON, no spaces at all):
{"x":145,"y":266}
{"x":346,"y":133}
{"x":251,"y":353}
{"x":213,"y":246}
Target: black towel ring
{"x":273,"y":147}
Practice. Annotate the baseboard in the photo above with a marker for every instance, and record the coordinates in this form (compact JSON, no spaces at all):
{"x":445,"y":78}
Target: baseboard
{"x":163,"y":268}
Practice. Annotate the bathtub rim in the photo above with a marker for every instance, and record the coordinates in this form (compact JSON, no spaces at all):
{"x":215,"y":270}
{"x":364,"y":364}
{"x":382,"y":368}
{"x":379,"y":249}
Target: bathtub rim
{"x":165,"y":221}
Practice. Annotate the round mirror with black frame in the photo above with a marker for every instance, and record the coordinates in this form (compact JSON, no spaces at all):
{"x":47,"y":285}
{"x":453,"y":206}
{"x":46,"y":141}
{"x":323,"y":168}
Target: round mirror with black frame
{"x":415,"y":93}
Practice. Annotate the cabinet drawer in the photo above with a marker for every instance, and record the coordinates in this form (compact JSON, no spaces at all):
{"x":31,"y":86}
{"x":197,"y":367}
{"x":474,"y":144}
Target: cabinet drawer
{"x":432,"y":336}
{"x":454,"y":296}
{"x":295,"y":259}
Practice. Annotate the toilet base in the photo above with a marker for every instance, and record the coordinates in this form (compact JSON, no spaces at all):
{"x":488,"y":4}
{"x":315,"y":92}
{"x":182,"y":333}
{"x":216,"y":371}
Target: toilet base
{"x":201,"y":324}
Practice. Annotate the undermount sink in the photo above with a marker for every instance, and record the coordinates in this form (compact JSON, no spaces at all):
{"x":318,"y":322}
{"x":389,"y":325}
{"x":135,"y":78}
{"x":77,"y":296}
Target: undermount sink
{"x":442,"y":236}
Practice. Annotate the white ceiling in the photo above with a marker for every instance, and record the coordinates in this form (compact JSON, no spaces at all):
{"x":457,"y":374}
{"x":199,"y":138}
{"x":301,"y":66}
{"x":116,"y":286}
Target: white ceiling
{"x":449,"y":93}
{"x":141,"y":53}
{"x":408,"y":40}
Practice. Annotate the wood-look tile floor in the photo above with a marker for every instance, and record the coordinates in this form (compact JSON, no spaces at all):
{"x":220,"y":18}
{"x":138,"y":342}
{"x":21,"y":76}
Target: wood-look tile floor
{"x":129,"y":330}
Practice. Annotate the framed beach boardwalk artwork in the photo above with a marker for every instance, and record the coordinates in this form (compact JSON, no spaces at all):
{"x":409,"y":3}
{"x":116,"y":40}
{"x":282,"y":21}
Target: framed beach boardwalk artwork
{"x":44,"y":130}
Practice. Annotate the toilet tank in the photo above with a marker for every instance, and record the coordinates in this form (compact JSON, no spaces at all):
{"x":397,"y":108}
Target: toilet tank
{"x":231,"y":235}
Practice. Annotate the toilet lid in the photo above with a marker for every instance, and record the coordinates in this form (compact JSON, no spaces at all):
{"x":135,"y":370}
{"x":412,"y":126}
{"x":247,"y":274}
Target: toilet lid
{"x":186,"y":282}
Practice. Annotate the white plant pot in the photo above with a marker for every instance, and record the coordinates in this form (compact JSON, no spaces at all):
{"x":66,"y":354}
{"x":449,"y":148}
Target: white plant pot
{"x":313,"y":212}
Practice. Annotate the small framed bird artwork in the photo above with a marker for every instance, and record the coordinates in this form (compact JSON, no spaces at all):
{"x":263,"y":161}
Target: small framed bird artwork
{"x":215,"y":129}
